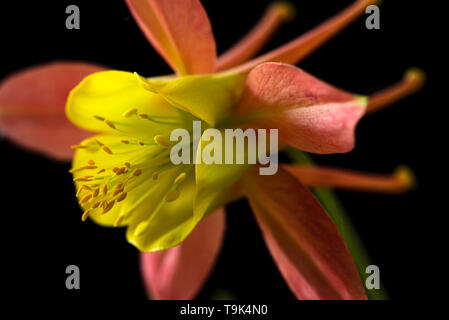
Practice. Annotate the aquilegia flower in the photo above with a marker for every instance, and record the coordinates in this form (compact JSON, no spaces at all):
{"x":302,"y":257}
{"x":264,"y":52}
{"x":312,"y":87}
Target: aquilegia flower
{"x":125,"y":177}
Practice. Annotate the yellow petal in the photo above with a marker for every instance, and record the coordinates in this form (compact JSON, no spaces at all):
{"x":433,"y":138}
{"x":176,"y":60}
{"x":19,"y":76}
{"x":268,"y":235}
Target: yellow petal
{"x":111,"y":101}
{"x":175,"y":220}
{"x":140,"y":189}
{"x":208,"y":97}
{"x":213,"y":179}
{"x":169,"y":226}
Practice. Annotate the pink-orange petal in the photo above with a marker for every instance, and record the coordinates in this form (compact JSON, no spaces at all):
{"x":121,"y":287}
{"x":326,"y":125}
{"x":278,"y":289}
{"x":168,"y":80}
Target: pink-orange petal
{"x":297,"y":49}
{"x":32,"y":107}
{"x":305,"y":244}
{"x":248,"y":46}
{"x":315,"y":176}
{"x":180,"y":272}
{"x":309,"y":114}
{"x":180,"y":31}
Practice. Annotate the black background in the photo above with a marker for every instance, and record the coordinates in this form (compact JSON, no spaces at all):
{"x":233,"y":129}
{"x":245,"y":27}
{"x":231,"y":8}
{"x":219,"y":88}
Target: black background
{"x":40,"y":220}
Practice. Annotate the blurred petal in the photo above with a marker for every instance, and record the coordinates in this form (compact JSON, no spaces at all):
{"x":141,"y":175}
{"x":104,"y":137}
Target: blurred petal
{"x":413,"y":81}
{"x":180,"y":272}
{"x":297,"y":49}
{"x":315,"y":176}
{"x":180,"y":31}
{"x":276,"y":14}
{"x":310,"y":114}
{"x":32,"y":107}
{"x":304,"y":242}
{"x":208,"y":97}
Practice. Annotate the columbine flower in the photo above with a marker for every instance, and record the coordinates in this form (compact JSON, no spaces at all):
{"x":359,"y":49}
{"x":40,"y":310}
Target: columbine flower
{"x":124,"y":176}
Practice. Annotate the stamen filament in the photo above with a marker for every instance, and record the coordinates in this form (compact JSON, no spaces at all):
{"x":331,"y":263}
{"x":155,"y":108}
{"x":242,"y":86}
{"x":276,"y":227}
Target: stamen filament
{"x":297,"y":49}
{"x":315,"y":176}
{"x":251,"y":43}
{"x":412,"y":81}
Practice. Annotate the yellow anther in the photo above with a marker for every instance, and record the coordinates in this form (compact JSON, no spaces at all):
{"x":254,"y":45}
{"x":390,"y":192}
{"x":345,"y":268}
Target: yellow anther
{"x":106,"y":149}
{"x":85,"y":215}
{"x":172,"y":195}
{"x":78,"y":146}
{"x":96,"y":192}
{"x":180,"y":178}
{"x":141,"y":143}
{"x":125,"y":141}
{"x":96,"y":205}
{"x":119,"y":186}
{"x":110,"y":124}
{"x":286,"y":10}
{"x":91,"y":162}
{"x":83,"y":187}
{"x":118,"y":221}
{"x":122,"y":197}
{"x":120,"y":171}
{"x":130,"y":113}
{"x":416,"y":75}
{"x":162,"y":141}
{"x":406,"y":176}
{"x":138,"y":172}
{"x":116,"y":192}
{"x":115,"y":169}
{"x":105,"y":189}
{"x":127,"y":164}
{"x":101,"y":171}
{"x":86,"y":198}
{"x":108,"y":206}
{"x":99,"y":118}
{"x":85,"y":178}
{"x":82,"y":168}
{"x":141,"y":228}
{"x":155,"y":176}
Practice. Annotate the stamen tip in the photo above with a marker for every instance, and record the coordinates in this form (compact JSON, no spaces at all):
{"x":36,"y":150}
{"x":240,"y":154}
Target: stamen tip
{"x":85,"y":215}
{"x":99,"y":118}
{"x":141,"y":228}
{"x":286,"y":9}
{"x":106,"y":149}
{"x":180,"y":178}
{"x":163,"y":141}
{"x":110,"y":124}
{"x":406,"y":176}
{"x":172,"y":195}
{"x":131,"y":112}
{"x":416,"y":75}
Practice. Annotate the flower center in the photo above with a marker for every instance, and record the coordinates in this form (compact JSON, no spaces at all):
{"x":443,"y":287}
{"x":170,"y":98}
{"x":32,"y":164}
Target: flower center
{"x":125,"y":166}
